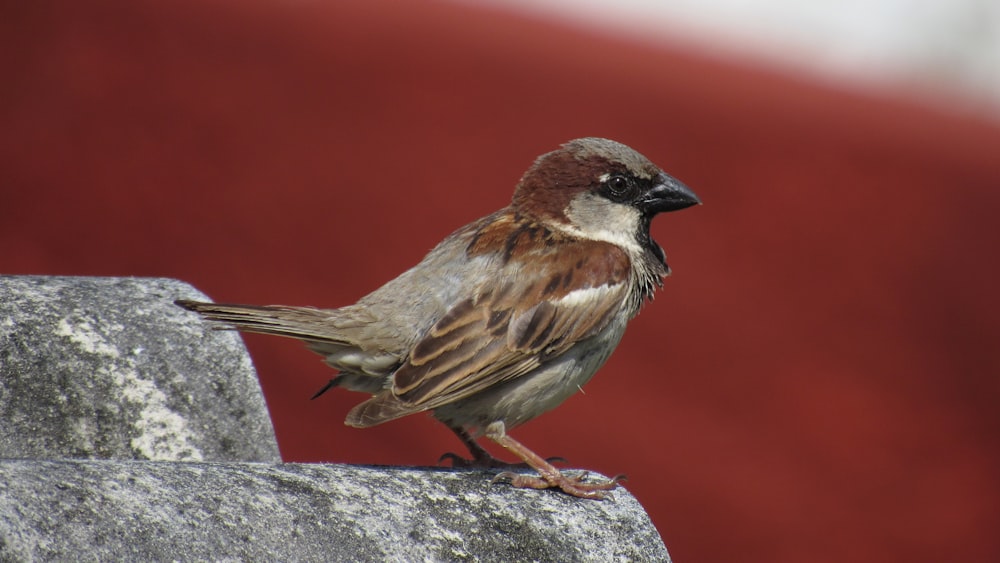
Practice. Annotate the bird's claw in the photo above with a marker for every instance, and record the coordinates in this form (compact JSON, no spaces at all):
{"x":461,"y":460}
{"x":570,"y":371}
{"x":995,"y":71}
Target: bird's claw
{"x":487,"y":462}
{"x":574,"y":485}
{"x":455,"y":459}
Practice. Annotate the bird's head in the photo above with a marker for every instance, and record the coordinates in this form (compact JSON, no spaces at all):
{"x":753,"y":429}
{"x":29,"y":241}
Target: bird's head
{"x":600,"y":190}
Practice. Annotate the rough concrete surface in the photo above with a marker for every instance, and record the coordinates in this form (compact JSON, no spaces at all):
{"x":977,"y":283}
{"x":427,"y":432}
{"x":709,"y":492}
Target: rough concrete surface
{"x":110,"y":368}
{"x":163,"y":511}
{"x":148,"y":435}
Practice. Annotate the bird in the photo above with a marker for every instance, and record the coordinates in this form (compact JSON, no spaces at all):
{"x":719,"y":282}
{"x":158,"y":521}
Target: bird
{"x":505,"y":318}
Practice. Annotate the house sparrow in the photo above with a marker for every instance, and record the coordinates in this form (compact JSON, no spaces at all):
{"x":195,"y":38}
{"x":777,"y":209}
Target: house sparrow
{"x":508,"y":316}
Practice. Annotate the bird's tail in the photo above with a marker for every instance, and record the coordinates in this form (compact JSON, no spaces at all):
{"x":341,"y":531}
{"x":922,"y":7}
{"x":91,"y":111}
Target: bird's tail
{"x":304,"y":323}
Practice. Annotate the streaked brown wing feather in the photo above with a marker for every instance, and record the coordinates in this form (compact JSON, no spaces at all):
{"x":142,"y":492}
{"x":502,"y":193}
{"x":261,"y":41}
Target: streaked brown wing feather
{"x":504,"y":333}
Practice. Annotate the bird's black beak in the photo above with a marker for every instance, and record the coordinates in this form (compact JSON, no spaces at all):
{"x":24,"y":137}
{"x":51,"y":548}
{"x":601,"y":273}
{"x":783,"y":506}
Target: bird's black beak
{"x":667,"y":194}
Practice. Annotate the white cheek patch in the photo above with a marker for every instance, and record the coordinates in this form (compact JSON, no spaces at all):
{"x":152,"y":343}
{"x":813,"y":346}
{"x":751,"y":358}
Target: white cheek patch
{"x":596,"y":218}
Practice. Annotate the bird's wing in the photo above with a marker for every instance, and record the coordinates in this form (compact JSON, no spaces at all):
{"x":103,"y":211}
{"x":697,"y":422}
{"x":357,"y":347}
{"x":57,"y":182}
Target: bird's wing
{"x":506,"y":329}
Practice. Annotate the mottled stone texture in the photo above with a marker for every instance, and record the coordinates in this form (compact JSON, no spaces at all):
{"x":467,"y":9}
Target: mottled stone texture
{"x":157,"y":511}
{"x":110,"y":368}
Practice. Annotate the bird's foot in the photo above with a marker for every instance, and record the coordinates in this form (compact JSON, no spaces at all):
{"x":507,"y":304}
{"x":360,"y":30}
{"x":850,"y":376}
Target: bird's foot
{"x":486,"y":461}
{"x":548,"y":476}
{"x":574,"y":485}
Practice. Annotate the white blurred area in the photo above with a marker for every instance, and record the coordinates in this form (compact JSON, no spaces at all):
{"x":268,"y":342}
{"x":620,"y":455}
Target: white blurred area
{"x":946,"y":52}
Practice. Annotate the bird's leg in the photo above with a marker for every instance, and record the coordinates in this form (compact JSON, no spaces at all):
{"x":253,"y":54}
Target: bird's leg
{"x":480,"y":457}
{"x":549,"y":476}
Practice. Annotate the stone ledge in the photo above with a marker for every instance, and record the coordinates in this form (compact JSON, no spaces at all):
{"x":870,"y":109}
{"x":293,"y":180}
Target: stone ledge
{"x":162,"y":415}
{"x":146,"y":511}
{"x":110,"y":368}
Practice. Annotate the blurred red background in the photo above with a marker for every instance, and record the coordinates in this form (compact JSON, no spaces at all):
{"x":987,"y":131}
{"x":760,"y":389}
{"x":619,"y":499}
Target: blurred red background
{"x":817,"y":381}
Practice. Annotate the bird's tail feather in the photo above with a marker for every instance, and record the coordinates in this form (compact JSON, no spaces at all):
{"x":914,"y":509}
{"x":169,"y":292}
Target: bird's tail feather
{"x":304,"y":323}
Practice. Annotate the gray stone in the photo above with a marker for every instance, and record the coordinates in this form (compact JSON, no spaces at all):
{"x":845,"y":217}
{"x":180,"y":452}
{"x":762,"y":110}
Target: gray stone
{"x":111,"y":371}
{"x":110,"y":368}
{"x":162,"y":511}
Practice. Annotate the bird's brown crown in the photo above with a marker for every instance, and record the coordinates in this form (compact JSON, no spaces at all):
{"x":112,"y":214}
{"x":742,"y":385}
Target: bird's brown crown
{"x":556,"y":178}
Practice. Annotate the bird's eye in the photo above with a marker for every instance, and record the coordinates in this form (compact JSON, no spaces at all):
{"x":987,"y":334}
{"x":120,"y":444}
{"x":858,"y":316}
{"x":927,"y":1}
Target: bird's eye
{"x":618,"y":185}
